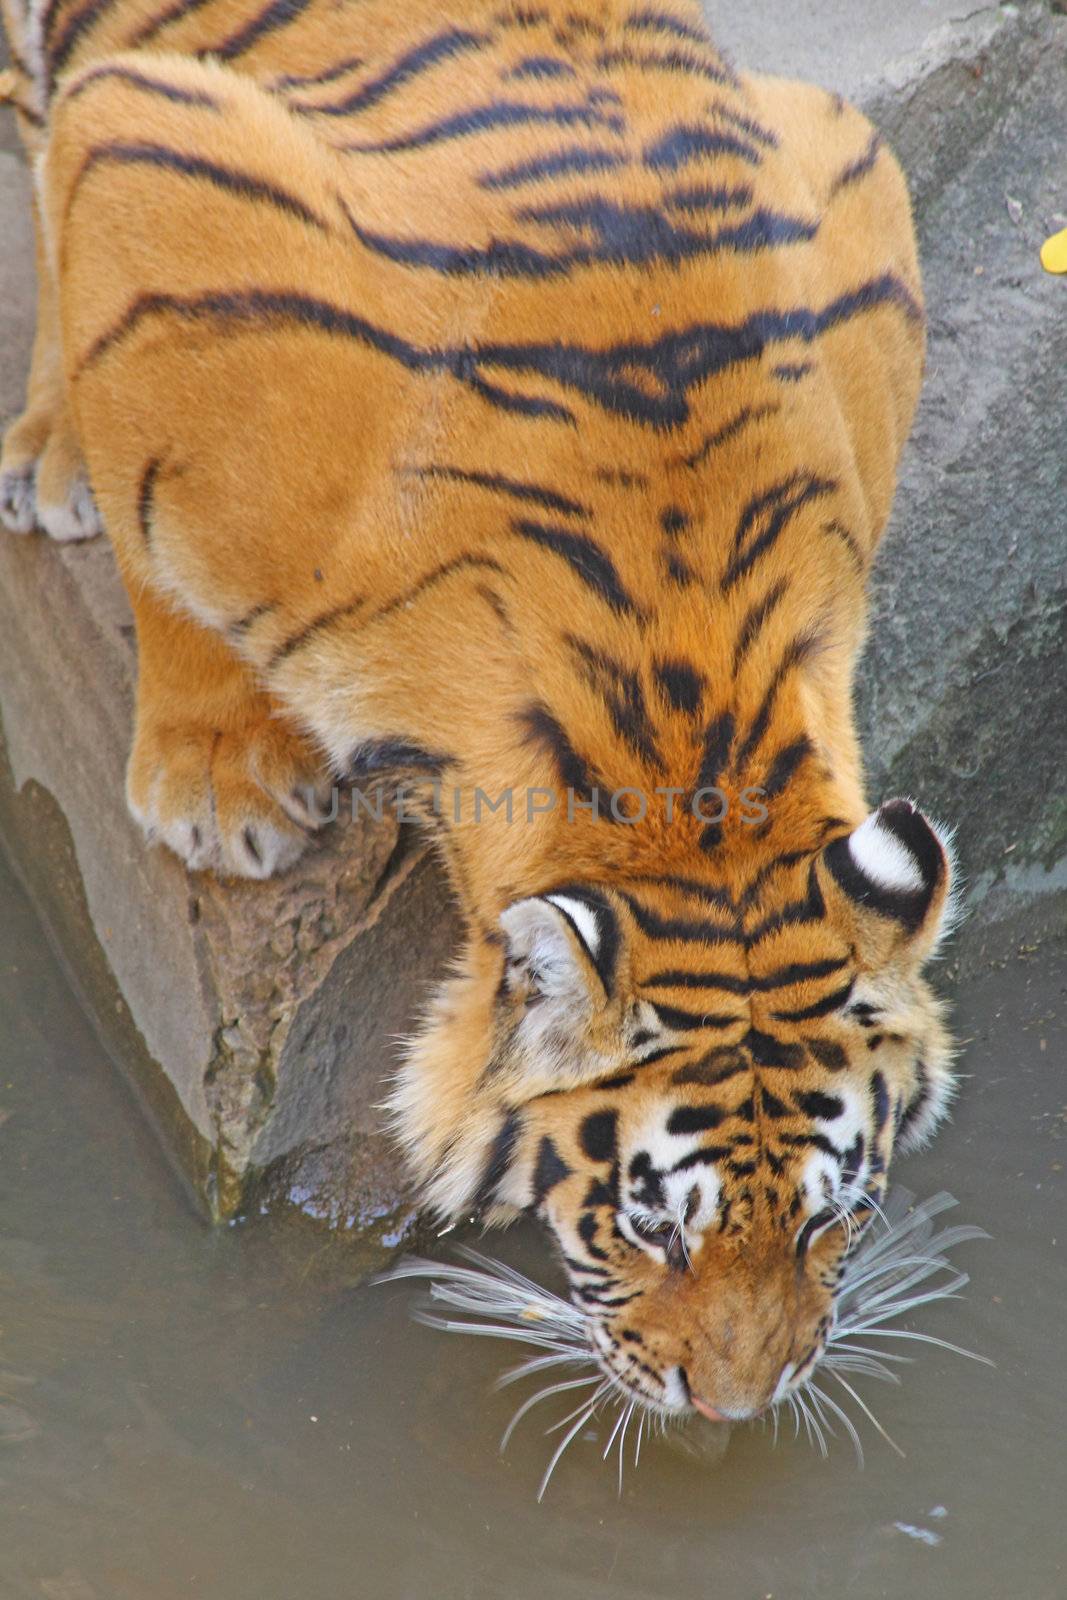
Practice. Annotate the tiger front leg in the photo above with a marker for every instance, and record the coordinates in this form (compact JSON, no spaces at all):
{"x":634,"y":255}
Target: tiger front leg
{"x":43,"y":478}
{"x":216,"y":772}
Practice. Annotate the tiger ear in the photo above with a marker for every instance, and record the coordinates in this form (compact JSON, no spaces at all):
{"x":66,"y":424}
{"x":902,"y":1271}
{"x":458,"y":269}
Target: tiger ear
{"x":892,"y":879}
{"x":559,"y":973}
{"x":560,"y":948}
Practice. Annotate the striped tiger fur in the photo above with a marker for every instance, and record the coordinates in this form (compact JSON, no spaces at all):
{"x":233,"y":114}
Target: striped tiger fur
{"x":510,"y":395}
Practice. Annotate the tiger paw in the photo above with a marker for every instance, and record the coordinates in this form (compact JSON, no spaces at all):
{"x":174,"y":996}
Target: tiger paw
{"x":242,"y":804}
{"x":43,"y":481}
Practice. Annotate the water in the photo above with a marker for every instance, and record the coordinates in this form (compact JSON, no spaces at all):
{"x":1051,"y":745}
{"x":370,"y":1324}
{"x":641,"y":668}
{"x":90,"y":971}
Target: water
{"x":231,"y":1415}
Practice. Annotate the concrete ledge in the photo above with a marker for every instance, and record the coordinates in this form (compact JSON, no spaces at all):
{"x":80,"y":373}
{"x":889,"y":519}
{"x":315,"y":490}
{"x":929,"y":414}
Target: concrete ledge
{"x":257,"y":1020}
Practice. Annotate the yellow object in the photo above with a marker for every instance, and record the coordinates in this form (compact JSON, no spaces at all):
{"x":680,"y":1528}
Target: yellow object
{"x":8,"y":86}
{"x":1054,"y":252}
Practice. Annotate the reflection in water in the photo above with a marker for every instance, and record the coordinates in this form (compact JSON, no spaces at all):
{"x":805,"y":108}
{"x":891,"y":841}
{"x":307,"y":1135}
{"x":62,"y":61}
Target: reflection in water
{"x":233,"y":1414}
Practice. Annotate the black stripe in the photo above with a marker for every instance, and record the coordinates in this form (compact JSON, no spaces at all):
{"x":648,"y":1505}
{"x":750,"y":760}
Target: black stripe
{"x":31,"y":116}
{"x":798,"y":972}
{"x":623,"y":697}
{"x":698,"y":980}
{"x":812,"y":908}
{"x":755,"y":619}
{"x":140,"y":80}
{"x":263,"y":609}
{"x":535,"y":493}
{"x":307,"y":80}
{"x":849,"y":540}
{"x":767,"y":1051}
{"x":785,"y":765}
{"x":613,"y":378}
{"x":718,"y":737}
{"x":229,"y":179}
{"x":621,"y":235}
{"x":429,"y":580}
{"x":691,"y":142}
{"x":678,"y":569}
{"x":375,"y":756}
{"x":696,"y":1119}
{"x":680,"y":928}
{"x":483,"y":119}
{"x":858,"y":168}
{"x":681,"y":685}
{"x":650,"y":20}
{"x":320,"y":624}
{"x":19,"y":62}
{"x":767,"y":515}
{"x":278,"y":14}
{"x":585,"y":558}
{"x":691,"y":1021}
{"x":542,"y":728}
{"x":707,"y":1155}
{"x":562,"y":163}
{"x":539,"y":67}
{"x":682,"y":62}
{"x":729,"y":431}
{"x":814,"y":1103}
{"x":793,"y":371}
{"x":441,"y":47}
{"x":707,"y":196}
{"x":164,"y":19}
{"x":794,"y":654}
{"x":709,"y":893}
{"x":584,"y":1267}
{"x":673,"y":521}
{"x":549,"y":1170}
{"x":717,"y":1066}
{"x":587,"y":1232}
{"x":738,"y":119}
{"x":146,"y":498}
{"x":498,"y":1161}
{"x":779,"y":863}
{"x":598,"y":1135}
{"x":880,"y":1101}
{"x":821,"y":1008}
{"x":828,"y":1054}
{"x":57,"y":54}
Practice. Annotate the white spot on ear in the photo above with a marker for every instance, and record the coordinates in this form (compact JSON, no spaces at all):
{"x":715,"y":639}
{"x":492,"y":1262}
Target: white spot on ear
{"x":583,"y":917}
{"x":881,"y":857}
{"x":540,"y":941}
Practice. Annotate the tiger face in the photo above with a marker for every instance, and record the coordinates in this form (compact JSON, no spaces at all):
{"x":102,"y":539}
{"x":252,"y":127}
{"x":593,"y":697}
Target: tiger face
{"x":699,"y":1092}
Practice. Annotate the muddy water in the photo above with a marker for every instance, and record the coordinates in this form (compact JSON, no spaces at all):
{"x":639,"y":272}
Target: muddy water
{"x":231,"y":1416}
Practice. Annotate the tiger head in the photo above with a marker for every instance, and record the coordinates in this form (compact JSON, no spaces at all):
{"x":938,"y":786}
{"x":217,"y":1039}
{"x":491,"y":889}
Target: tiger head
{"x":699,"y":1092}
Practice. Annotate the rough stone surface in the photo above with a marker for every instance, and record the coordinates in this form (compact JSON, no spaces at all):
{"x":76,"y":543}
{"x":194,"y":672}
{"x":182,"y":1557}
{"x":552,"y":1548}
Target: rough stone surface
{"x":259,"y":1020}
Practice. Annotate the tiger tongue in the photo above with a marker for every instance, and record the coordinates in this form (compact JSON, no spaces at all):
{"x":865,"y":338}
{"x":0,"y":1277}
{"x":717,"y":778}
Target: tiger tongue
{"x":708,"y":1411}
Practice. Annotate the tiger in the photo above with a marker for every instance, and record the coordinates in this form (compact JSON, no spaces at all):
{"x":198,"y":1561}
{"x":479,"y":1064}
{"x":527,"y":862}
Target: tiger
{"x":505,"y":398}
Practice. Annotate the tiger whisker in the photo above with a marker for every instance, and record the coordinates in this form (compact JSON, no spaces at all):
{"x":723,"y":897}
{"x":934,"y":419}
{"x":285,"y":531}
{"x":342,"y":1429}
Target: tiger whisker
{"x":597,"y":1397}
{"x":824,"y":1399}
{"x":862,"y":1350}
{"x":622,"y":1439}
{"x":535,"y":1399}
{"x":577,"y":1428}
{"x":874,"y":1332}
{"x":614,"y":1434}
{"x":868,"y":1412}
